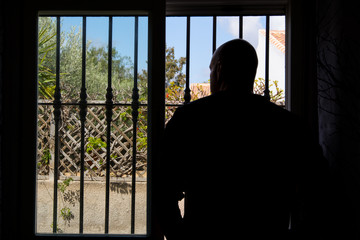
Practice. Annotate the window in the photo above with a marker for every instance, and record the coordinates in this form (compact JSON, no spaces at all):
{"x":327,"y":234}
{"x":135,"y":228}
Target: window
{"x":92,"y":125}
{"x":191,"y":40}
{"x":70,"y":110}
{"x":93,"y":109}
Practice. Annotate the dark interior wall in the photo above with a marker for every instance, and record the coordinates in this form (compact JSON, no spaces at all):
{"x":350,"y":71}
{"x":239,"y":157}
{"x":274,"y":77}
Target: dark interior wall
{"x":1,"y":71}
{"x":338,"y":62}
{"x":10,"y":125}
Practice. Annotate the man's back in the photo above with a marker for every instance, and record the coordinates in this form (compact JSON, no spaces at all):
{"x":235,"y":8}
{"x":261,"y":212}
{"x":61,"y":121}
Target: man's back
{"x":238,"y":160}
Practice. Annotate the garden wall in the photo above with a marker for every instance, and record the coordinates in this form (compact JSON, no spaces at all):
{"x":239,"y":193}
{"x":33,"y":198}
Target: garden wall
{"x":94,"y":207}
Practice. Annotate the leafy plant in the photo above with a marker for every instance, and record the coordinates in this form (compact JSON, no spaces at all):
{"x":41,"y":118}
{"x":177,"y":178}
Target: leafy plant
{"x":46,"y":47}
{"x":95,"y":143}
{"x":62,"y":186}
{"x":66,"y":214}
{"x":276,"y":93}
{"x":45,"y":158}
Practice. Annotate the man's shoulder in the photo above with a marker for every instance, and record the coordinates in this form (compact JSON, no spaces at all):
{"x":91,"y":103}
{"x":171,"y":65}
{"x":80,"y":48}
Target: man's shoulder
{"x":213,"y":99}
{"x":198,"y":104}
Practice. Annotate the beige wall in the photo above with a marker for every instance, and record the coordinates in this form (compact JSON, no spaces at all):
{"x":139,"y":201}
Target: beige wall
{"x":94,"y":207}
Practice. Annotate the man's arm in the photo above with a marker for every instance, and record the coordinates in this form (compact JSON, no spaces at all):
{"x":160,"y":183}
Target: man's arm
{"x":171,"y":191}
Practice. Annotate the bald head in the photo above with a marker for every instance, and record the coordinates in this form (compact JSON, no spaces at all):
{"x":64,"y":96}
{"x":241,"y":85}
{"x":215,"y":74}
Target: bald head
{"x":233,"y":66}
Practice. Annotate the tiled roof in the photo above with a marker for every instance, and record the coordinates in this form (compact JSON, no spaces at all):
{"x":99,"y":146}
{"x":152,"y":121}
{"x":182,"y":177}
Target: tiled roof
{"x":277,"y":38}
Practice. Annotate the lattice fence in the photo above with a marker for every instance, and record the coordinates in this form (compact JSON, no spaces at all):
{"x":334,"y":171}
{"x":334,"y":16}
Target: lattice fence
{"x":95,"y":141}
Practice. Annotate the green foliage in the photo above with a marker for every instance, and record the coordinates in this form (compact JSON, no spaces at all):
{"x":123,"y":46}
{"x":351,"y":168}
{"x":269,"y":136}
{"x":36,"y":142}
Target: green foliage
{"x":173,"y":69}
{"x":46,"y":49}
{"x":95,"y":143}
{"x":174,"y":93}
{"x":45,"y":158}
{"x":142,"y":130}
{"x":276,"y":93}
{"x":71,"y":66}
{"x":62,"y":186}
{"x":58,"y":230}
{"x":66,"y":214}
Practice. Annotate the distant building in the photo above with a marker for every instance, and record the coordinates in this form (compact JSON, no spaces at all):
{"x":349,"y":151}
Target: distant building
{"x":199,"y":90}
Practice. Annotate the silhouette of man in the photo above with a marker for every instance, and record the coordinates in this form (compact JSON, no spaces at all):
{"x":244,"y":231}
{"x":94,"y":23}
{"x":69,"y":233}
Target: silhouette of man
{"x":245,"y":166}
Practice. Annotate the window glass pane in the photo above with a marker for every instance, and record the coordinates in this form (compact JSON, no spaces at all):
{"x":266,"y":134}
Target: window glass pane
{"x":45,"y":156}
{"x":46,"y":58}
{"x":69,"y":170}
{"x":143,"y":59}
{"x":200,"y":55}
{"x":277,"y":59}
{"x":121,"y":161}
{"x":175,"y":60}
{"x":123,"y":58}
{"x":70,"y":59}
{"x":255,"y":32}
{"x":97,"y":32}
{"x":227,"y":28}
{"x":94,"y":175}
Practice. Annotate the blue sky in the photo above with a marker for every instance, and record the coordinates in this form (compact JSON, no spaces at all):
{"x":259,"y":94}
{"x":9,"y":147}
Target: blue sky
{"x":123,"y":34}
{"x":200,"y":32}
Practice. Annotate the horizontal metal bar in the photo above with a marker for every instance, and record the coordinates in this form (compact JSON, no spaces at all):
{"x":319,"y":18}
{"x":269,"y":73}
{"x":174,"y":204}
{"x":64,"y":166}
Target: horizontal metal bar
{"x":92,"y":236}
{"x":139,"y":13}
{"x":225,"y":15}
{"x":225,"y":10}
{"x":103,"y":104}
{"x":92,"y":179}
{"x":174,"y":105}
{"x":91,"y":104}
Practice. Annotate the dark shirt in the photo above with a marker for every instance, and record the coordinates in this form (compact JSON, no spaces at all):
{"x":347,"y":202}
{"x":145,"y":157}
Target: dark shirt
{"x":242,"y":163}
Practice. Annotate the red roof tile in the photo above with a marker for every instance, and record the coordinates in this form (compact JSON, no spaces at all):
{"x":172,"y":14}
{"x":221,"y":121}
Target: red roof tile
{"x":277,"y":38}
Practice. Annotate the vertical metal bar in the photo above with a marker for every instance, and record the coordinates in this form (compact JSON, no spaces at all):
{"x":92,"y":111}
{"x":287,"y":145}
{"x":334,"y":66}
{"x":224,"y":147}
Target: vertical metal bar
{"x":135,"y":112}
{"x":241,"y":27}
{"x":109,"y":109}
{"x":187,"y":95}
{"x":83,"y":112}
{"x":214,"y":34}
{"x":57,"y":115}
{"x":267,"y":41}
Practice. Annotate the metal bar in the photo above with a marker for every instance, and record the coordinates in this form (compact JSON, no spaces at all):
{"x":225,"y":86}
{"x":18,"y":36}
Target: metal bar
{"x":214,"y":34}
{"x":241,"y":29}
{"x":57,"y":116}
{"x":83,"y":112}
{"x":109,"y":109}
{"x":267,"y":41}
{"x":187,"y":95}
{"x":90,"y":104}
{"x":135,"y":108}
